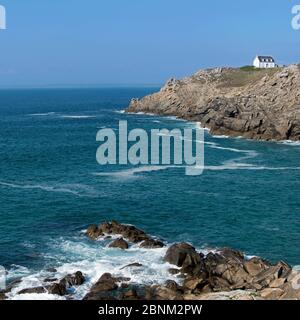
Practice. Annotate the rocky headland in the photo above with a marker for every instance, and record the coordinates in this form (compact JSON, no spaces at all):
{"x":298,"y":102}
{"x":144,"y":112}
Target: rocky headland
{"x":262,"y":104}
{"x":221,"y":274}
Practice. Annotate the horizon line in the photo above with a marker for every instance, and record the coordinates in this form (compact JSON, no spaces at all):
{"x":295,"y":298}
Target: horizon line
{"x":82,"y":86}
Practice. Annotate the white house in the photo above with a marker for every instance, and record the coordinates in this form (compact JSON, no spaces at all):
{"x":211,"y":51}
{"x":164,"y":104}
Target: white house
{"x":264,"y":62}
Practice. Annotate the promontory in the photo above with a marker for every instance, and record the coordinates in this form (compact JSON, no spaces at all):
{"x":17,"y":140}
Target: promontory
{"x":262,"y":104}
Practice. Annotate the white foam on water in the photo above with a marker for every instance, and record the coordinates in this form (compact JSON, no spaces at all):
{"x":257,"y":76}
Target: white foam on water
{"x":76,"y":116}
{"x":42,"y":114}
{"x":199,"y":126}
{"x":129,"y":173}
{"x":140,"y":113}
{"x":62,"y":116}
{"x":94,"y":260}
{"x":214,"y":145}
{"x":35,"y":296}
{"x":220,"y":137}
{"x":79,"y":190}
{"x":175,"y":118}
{"x":291,"y":143}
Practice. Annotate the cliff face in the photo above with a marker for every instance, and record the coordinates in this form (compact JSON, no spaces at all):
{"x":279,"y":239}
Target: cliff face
{"x":256,"y":104}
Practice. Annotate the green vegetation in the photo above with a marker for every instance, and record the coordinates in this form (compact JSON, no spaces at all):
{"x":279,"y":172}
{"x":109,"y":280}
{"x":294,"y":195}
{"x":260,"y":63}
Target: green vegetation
{"x":248,"y":68}
{"x":244,"y":76}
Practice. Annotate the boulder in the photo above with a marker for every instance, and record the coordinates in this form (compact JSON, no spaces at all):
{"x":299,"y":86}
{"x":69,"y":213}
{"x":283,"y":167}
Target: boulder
{"x":292,"y":285}
{"x":130,"y":294}
{"x":227,"y":295}
{"x":94,"y":232}
{"x":134,"y":235}
{"x":165,"y":293}
{"x":105,"y":284}
{"x":267,"y":276}
{"x":229,"y":253}
{"x":226,"y":270}
{"x":33,"y":290}
{"x":129,"y":232}
{"x":182,"y":255}
{"x":192,"y":283}
{"x":151,"y":244}
{"x":255,"y":265}
{"x":119,"y":243}
{"x":58,"y":289}
{"x":271,"y":293}
{"x":172,"y":285}
{"x":277,"y":283}
{"x":75,"y":279}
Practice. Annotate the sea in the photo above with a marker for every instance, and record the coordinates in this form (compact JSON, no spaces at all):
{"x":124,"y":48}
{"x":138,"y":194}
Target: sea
{"x":52,"y":188}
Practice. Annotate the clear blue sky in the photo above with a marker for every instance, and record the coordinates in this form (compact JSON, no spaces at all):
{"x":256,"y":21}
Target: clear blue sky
{"x":60,"y":42}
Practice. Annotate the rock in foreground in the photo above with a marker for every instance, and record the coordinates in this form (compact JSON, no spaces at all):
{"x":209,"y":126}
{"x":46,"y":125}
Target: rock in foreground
{"x":129,"y":232}
{"x":223,"y":274}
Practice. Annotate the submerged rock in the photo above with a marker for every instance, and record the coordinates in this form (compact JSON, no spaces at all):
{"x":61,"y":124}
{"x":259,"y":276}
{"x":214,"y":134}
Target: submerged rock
{"x":33,"y":290}
{"x":131,"y":265}
{"x":129,"y":232}
{"x":58,"y":288}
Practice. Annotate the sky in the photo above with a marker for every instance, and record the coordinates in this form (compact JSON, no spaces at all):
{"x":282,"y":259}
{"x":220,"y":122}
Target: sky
{"x":138,"y":42}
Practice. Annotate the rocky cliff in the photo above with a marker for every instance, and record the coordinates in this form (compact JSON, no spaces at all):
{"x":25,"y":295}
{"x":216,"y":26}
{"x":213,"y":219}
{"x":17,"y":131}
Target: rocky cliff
{"x":253,"y":103}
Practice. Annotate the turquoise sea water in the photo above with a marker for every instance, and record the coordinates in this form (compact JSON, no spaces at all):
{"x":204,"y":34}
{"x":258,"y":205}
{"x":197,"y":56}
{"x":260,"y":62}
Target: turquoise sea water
{"x":50,"y":187}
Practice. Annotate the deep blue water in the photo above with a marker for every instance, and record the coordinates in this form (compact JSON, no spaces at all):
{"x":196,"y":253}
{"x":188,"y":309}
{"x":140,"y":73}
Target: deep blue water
{"x":49,"y":190}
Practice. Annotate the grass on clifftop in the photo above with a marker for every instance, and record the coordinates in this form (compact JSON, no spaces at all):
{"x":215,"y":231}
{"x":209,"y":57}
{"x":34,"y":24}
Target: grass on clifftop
{"x":248,"y":68}
{"x":244,"y":76}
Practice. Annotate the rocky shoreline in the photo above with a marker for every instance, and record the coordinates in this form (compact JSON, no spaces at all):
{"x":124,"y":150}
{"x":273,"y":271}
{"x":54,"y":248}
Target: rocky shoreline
{"x":223,"y":274}
{"x":262,"y":104}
